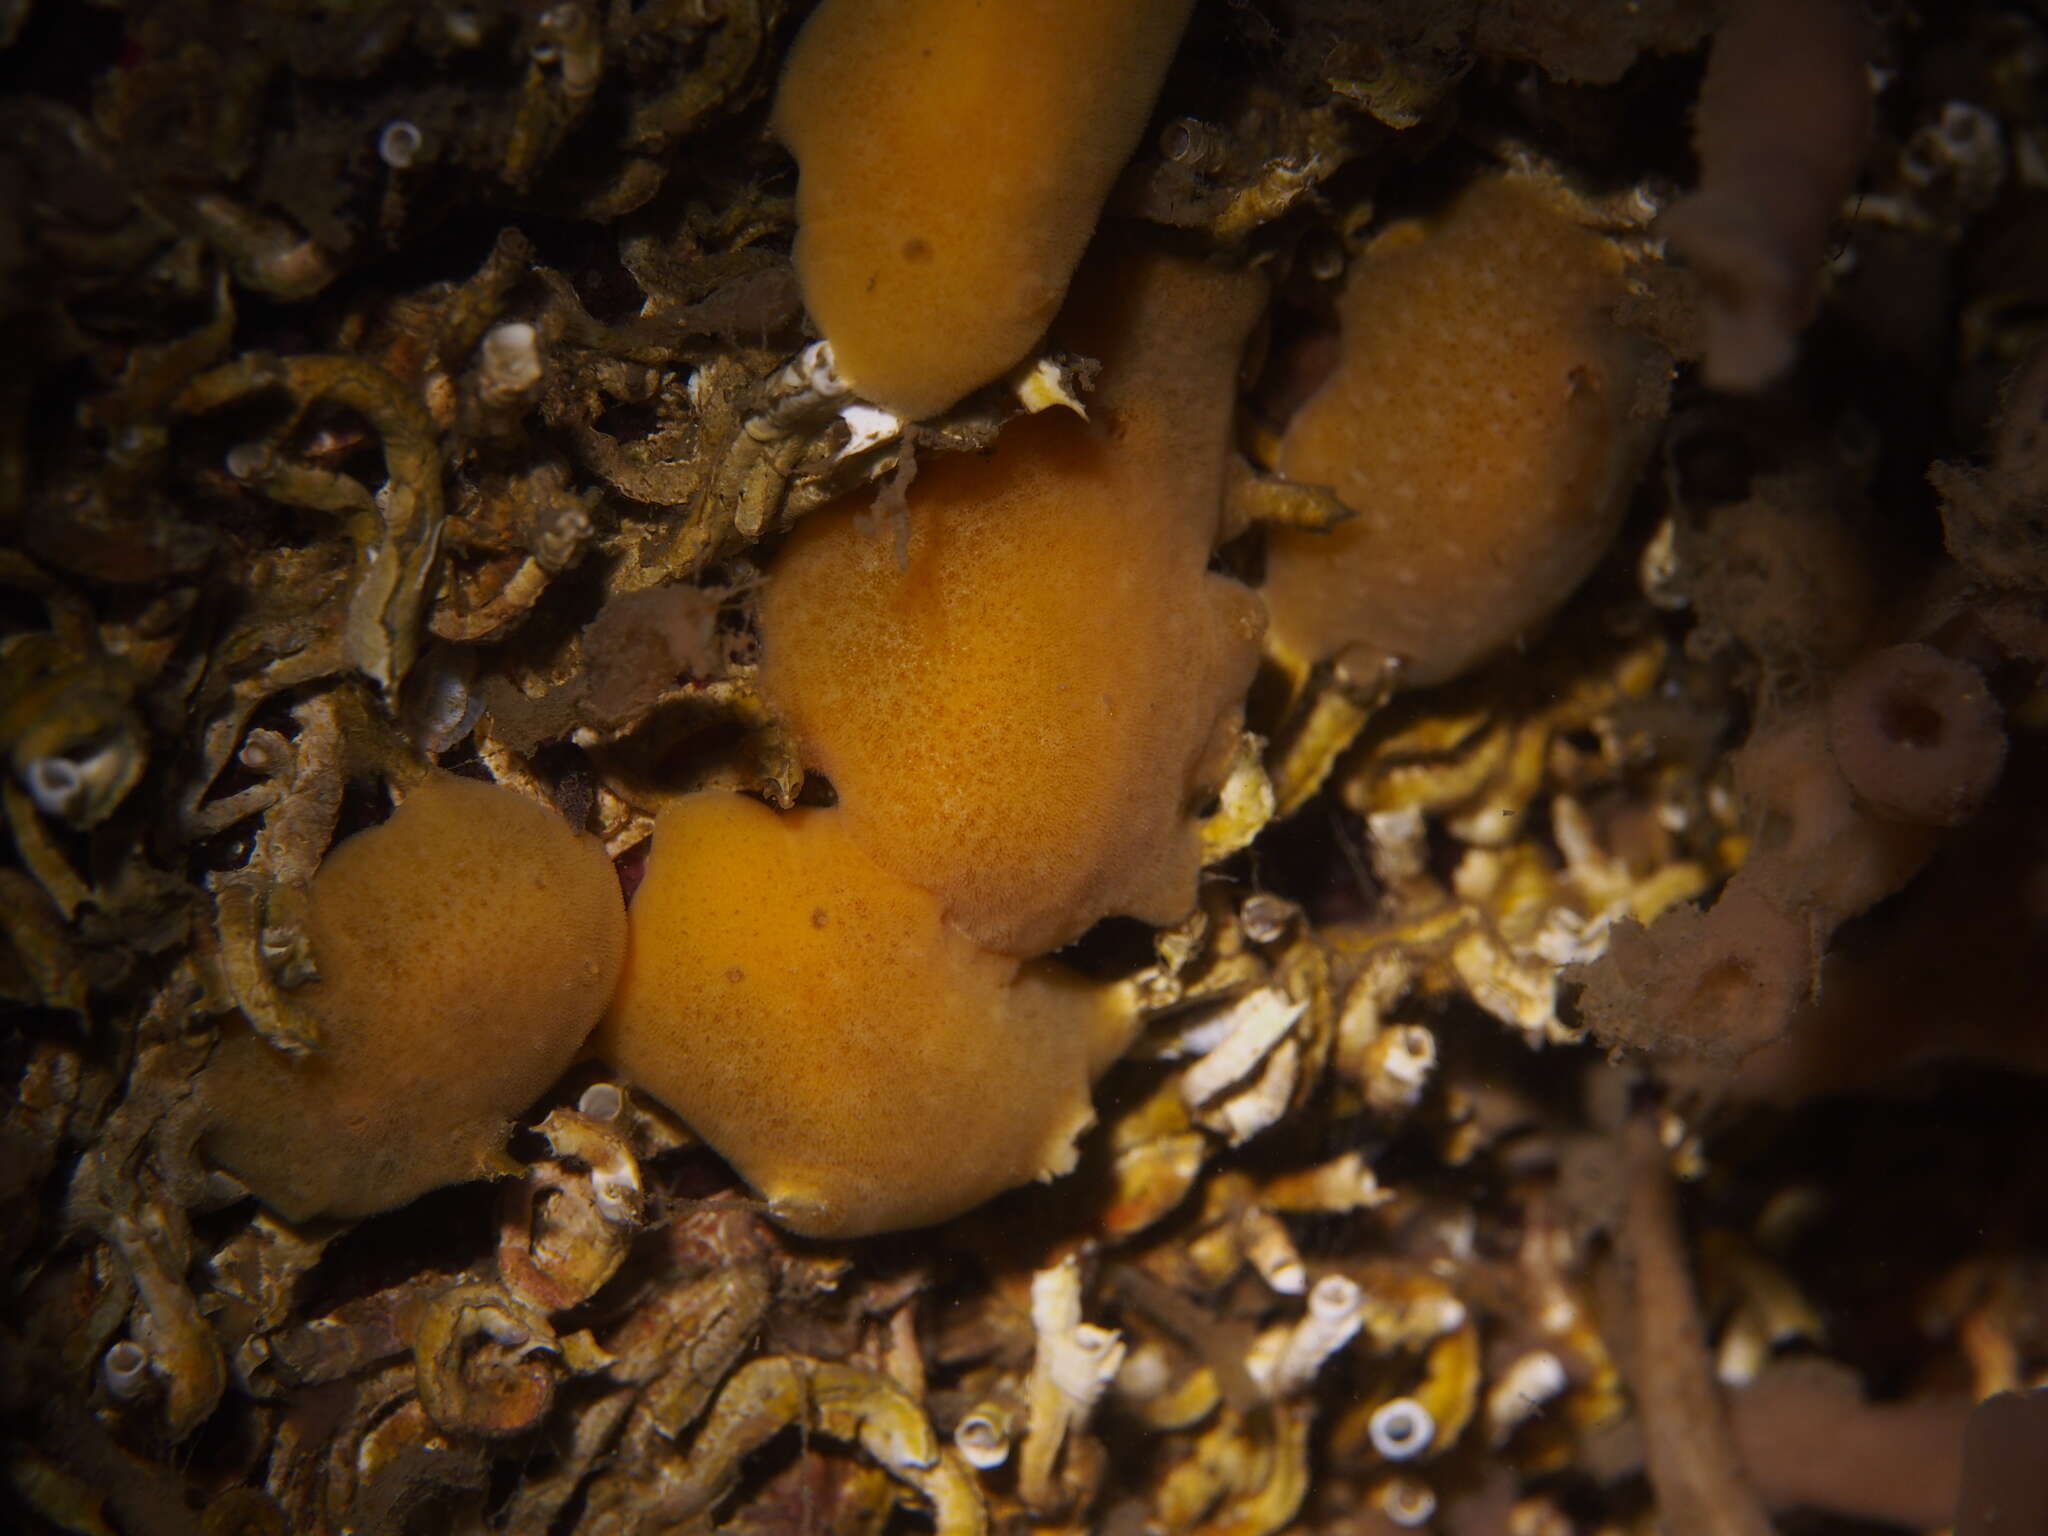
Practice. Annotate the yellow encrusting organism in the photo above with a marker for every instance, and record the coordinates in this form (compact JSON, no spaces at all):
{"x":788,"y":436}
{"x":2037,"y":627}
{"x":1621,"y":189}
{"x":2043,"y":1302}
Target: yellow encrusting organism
{"x":1023,"y":713}
{"x":466,"y":947}
{"x":864,"y":1066}
{"x":953,"y":158}
{"x":1485,"y":421}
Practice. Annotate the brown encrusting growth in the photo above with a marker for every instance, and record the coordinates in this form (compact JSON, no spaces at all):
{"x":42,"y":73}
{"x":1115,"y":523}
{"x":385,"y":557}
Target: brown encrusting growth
{"x":1947,"y":972}
{"x":1917,"y":735}
{"x":1810,"y":1440}
{"x":1782,"y":127}
{"x":1787,"y":576}
{"x":1845,"y":797}
{"x":1996,"y":518}
{"x":2005,"y":1481}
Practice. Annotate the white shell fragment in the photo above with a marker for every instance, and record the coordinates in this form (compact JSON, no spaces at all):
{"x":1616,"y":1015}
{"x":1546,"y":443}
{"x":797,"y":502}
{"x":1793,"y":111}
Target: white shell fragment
{"x":1250,"y":1029}
{"x":867,"y":426}
{"x":803,"y":384}
{"x":1073,"y":1362}
{"x":1406,"y":1502}
{"x":1522,"y":1390}
{"x":601,"y":1101}
{"x":1045,"y":383}
{"x":1398,"y":1066}
{"x":1243,"y":1115}
{"x":1271,"y":1249}
{"x":398,"y":146}
{"x":1399,"y":844}
{"x":124,"y":1370}
{"x":509,"y":362}
{"x":1285,"y":1360}
{"x":983,"y":1437}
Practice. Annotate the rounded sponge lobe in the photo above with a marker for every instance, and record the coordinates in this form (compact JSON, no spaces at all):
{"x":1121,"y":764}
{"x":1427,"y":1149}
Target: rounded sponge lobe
{"x":466,"y":946}
{"x":1485,"y":421}
{"x":862,"y":1065}
{"x":953,"y":159}
{"x":1023,"y":708}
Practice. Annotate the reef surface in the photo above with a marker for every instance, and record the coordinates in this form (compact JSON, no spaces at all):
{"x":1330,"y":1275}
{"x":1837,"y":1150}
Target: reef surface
{"x":1367,"y":854}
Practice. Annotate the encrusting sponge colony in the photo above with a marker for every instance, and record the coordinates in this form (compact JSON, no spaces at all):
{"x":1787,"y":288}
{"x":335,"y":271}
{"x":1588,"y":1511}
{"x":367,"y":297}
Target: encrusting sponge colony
{"x":1025,"y":713}
{"x":1020,"y":720}
{"x":1485,"y":421}
{"x":466,"y":946}
{"x":862,"y":1064}
{"x":953,"y":158}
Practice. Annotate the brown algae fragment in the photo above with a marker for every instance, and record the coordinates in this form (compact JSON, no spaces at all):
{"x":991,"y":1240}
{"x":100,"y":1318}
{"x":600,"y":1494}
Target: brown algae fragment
{"x":1023,"y":713}
{"x":862,"y":1065}
{"x":465,"y":947}
{"x":1485,"y":420}
{"x":954,"y":159}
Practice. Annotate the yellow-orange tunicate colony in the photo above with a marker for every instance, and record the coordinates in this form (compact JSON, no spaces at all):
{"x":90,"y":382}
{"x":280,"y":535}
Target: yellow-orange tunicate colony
{"x":863,"y":1065}
{"x":1024,"y":714}
{"x":1485,"y":421}
{"x":953,"y":158}
{"x":466,"y":946}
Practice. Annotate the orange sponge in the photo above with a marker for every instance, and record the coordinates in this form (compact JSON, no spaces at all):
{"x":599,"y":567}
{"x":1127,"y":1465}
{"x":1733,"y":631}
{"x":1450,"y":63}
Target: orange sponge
{"x":953,"y":159}
{"x":466,"y":947}
{"x":862,"y":1065}
{"x":1485,"y":421}
{"x":1022,"y":711}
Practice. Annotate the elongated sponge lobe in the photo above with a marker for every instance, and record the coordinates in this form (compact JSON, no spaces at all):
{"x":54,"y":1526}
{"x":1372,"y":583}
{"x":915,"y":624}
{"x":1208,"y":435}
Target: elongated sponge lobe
{"x":1024,"y":709}
{"x":953,"y":158}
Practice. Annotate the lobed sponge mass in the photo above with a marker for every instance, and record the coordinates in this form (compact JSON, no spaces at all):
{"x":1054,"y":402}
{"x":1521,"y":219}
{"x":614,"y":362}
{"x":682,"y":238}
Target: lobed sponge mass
{"x":466,"y":946}
{"x":1485,"y":420}
{"x":865,"y":1067}
{"x":953,"y":160}
{"x":1025,"y":713}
